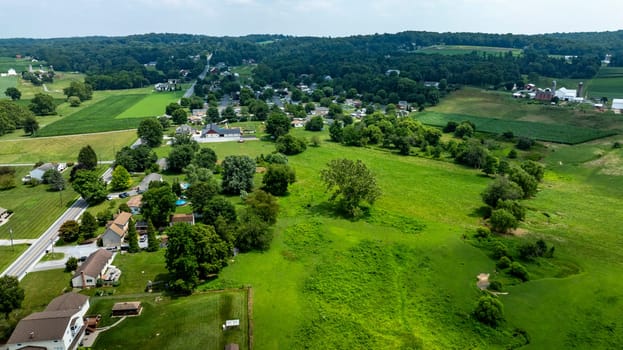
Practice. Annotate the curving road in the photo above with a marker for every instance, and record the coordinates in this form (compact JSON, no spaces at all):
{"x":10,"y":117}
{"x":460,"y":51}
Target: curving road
{"x":35,"y":252}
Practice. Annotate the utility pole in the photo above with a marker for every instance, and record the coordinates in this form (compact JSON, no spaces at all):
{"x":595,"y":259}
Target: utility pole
{"x":11,"y":235}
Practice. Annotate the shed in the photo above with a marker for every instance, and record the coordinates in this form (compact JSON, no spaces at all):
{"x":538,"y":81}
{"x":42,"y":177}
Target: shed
{"x":617,"y":104}
{"x":127,"y":308}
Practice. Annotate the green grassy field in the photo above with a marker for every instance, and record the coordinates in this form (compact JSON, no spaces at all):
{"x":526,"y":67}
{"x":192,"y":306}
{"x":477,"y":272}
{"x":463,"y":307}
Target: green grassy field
{"x":538,"y":131}
{"x":8,"y":254}
{"x":151,"y":105}
{"x":183,"y":323}
{"x":608,"y":82}
{"x":63,"y":148}
{"x":500,"y":105}
{"x":35,"y":208}
{"x":98,"y":117}
{"x":466,"y":49}
{"x":5,"y":83}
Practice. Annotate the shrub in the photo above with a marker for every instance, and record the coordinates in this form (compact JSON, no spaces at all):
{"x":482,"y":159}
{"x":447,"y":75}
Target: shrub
{"x":519,"y":271}
{"x":450,"y":127}
{"x":290,"y":145}
{"x":482,"y":233}
{"x":71,"y":264}
{"x":525,"y":143}
{"x":512,"y":154}
{"x":489,"y":310}
{"x":496,"y":286}
{"x":514,"y":207}
{"x":502,"y":220}
{"x":503,"y":263}
{"x":499,"y":250}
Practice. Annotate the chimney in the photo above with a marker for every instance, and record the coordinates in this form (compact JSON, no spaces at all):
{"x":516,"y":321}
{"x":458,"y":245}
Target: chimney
{"x":580,"y":91}
{"x":84,"y":281}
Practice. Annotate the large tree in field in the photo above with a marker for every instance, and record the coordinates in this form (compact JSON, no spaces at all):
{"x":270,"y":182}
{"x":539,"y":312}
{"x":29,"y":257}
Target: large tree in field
{"x":278,"y":124}
{"x":90,"y":186}
{"x":150,"y":131}
{"x":87,"y":157}
{"x":277,"y":178}
{"x":193,"y":253}
{"x":79,"y":89}
{"x":11,"y":295}
{"x":350,"y":183}
{"x":42,"y":104}
{"x":13,"y":93}
{"x":31,"y":125}
{"x":238,"y":172}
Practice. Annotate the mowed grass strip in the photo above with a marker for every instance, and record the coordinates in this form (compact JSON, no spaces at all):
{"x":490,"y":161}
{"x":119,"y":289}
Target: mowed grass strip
{"x":152,"y":105}
{"x":63,"y":148}
{"x":99,"y":117}
{"x":193,"y":322}
{"x":540,"y":131}
{"x":8,"y":254}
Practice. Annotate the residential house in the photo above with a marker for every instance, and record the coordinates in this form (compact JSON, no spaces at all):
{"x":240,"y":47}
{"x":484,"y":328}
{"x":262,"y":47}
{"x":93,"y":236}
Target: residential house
{"x":144,"y":185}
{"x":92,"y":269}
{"x":116,"y":230}
{"x":184,"y":130}
{"x":321,"y":111}
{"x":59,"y":327}
{"x":182,"y":218}
{"x":127,"y":308}
{"x":135,"y":204}
{"x":213,"y":130}
{"x":38,"y":172}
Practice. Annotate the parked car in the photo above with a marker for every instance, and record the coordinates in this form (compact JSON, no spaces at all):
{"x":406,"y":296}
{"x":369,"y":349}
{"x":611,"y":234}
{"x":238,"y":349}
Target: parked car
{"x":124,"y":195}
{"x":143,"y":238}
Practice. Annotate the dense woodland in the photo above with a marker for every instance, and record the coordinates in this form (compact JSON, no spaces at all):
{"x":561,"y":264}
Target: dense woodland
{"x":356,"y":62}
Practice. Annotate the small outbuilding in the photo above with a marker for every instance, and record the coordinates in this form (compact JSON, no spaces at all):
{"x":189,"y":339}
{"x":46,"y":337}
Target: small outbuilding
{"x":127,"y":308}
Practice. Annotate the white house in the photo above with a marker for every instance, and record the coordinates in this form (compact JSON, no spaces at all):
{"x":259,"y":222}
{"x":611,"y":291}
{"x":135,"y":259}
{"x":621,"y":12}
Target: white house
{"x":617,"y":105}
{"x":60,"y":327}
{"x":38,"y":172}
{"x":92,"y":269}
{"x":116,"y":230}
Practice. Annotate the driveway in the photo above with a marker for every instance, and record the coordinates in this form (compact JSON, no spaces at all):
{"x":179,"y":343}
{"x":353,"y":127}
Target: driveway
{"x":69,"y":251}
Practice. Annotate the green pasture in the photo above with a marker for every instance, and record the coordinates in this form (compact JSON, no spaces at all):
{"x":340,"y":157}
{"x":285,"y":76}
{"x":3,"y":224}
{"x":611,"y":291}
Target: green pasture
{"x":192,"y":322}
{"x":98,"y":117}
{"x":607,"y":83}
{"x":5,"y":83}
{"x":538,"y":131}
{"x":35,"y":208}
{"x":467,"y":49}
{"x":151,"y":105}
{"x":500,"y":105}
{"x":63,"y":148}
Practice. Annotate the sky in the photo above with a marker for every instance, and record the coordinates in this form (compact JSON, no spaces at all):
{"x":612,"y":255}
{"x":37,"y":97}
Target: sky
{"x":329,"y":18}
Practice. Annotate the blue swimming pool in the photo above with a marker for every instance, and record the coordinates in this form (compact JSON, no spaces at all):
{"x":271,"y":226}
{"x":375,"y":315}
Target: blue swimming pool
{"x":180,"y":202}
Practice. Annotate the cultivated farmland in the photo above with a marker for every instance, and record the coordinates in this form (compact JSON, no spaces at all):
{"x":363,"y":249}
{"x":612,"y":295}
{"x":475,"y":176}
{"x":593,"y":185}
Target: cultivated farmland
{"x":5,"y":83}
{"x":151,"y":105}
{"x":538,"y":131}
{"x":607,"y":83}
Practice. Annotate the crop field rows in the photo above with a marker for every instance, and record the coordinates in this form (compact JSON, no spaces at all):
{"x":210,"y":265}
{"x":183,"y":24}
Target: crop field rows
{"x":607,"y":83}
{"x":540,"y":131}
{"x":115,"y":112}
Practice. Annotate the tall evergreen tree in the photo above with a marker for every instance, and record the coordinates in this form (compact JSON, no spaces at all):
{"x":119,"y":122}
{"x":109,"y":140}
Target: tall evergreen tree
{"x":87,"y":157}
{"x":132,"y":238}
{"x":153,"y":244}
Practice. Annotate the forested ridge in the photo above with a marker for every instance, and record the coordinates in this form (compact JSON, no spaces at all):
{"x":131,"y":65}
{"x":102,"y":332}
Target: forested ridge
{"x":355,"y":62}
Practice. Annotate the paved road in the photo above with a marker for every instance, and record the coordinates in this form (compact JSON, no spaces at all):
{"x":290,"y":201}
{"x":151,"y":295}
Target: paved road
{"x":191,"y":89}
{"x":33,"y":254}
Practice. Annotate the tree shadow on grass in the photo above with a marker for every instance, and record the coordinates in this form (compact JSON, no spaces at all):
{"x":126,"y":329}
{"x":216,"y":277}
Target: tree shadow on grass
{"x":335,"y":211}
{"x":481,"y":212}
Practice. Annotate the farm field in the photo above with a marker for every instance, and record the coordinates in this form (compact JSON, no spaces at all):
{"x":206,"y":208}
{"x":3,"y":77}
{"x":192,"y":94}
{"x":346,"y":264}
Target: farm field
{"x":539,"y":131}
{"x":5,"y":83}
{"x":500,"y":105}
{"x":466,"y":49}
{"x":192,"y":322}
{"x":63,"y":148}
{"x":35,"y":208}
{"x":607,"y":83}
{"x":19,"y":65}
{"x":151,"y":105}
{"x":111,"y":112}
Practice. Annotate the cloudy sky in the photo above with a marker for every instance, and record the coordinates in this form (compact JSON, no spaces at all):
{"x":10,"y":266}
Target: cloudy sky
{"x":64,"y":18}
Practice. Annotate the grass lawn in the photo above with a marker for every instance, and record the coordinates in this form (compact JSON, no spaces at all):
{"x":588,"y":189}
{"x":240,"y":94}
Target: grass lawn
{"x":63,"y":148}
{"x":151,"y":105}
{"x":8,"y":254}
{"x":535,"y":130}
{"x":35,"y":208}
{"x":53,"y":256}
{"x":137,"y":269}
{"x":192,"y":322}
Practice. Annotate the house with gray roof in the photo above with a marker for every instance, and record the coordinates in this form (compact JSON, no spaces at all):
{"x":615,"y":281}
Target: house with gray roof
{"x":92,"y":269}
{"x":59,"y":327}
{"x":213,"y":130}
{"x":116,"y":230}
